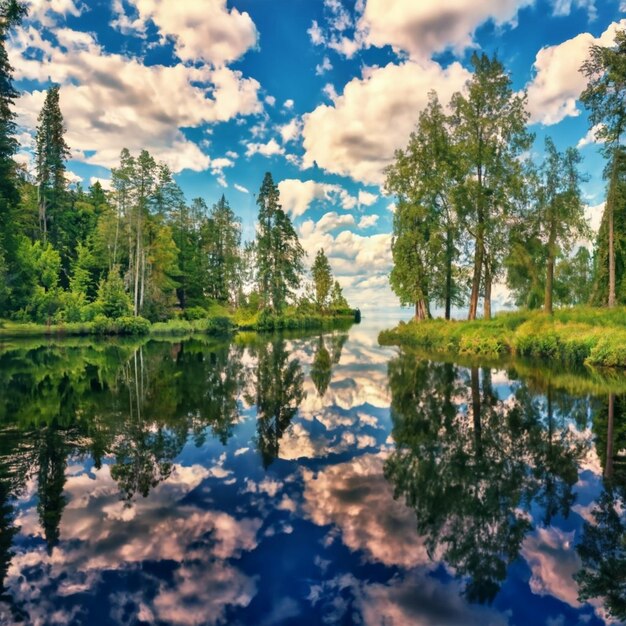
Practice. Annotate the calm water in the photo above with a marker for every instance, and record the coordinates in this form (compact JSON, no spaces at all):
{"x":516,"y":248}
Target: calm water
{"x":311,"y":480}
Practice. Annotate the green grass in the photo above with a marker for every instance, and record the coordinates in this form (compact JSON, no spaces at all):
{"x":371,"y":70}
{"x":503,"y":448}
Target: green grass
{"x":576,"y":335}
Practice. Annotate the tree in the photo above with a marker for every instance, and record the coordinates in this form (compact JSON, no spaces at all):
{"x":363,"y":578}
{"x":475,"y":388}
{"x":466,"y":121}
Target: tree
{"x":489,"y":130}
{"x":559,"y":212}
{"x":278,"y":250}
{"x":222,"y":244}
{"x":322,"y":279}
{"x":423,"y":177}
{"x":51,"y":152}
{"x":11,"y":14}
{"x":338,"y":301}
{"x":605,"y":99}
{"x":610,"y":244}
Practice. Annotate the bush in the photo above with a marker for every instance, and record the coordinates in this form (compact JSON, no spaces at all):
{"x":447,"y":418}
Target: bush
{"x":195,"y":313}
{"x":133,"y":325}
{"x":103,"y":325}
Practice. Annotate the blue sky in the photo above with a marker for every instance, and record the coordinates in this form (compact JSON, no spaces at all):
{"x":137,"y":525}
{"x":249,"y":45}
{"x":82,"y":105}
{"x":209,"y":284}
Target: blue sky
{"x":319,"y":92}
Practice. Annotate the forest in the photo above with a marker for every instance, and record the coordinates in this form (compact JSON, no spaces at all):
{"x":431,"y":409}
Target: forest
{"x":123,"y":259}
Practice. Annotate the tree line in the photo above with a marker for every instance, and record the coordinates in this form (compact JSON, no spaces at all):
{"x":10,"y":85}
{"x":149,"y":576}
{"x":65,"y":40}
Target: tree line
{"x":474,"y":207}
{"x":139,"y":249}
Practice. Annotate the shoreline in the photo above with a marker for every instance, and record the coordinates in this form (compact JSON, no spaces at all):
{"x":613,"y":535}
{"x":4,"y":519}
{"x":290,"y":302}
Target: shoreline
{"x":215,"y":326}
{"x":572,"y":336}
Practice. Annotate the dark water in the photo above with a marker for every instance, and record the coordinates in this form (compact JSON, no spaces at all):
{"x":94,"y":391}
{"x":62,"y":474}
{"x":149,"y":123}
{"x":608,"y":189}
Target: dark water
{"x":311,"y":480}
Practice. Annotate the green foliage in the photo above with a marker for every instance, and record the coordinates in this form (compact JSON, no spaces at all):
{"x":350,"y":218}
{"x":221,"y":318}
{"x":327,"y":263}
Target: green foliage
{"x":278,"y":251}
{"x":574,"y":336}
{"x":113,"y":300}
{"x":322,"y":279}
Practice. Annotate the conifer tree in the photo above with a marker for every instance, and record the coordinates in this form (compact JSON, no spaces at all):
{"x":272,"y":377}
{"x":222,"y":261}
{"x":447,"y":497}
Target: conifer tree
{"x":51,"y":152}
{"x":279,"y":253}
{"x":11,"y":14}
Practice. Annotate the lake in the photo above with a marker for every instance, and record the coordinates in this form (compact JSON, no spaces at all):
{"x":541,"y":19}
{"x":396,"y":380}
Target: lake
{"x":318,"y":479}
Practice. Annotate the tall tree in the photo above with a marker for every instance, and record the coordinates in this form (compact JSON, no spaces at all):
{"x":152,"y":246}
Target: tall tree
{"x":322,"y":279}
{"x":51,"y":152}
{"x":222,"y":241}
{"x":559,"y":211}
{"x":605,"y":99}
{"x":423,"y":178}
{"x":278,"y":249}
{"x":489,"y":129}
{"x":11,"y":13}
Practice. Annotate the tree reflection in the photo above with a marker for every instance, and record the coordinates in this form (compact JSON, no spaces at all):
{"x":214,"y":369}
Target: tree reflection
{"x":279,"y":392}
{"x":321,"y":369}
{"x":470,"y":463}
{"x":602,"y":548}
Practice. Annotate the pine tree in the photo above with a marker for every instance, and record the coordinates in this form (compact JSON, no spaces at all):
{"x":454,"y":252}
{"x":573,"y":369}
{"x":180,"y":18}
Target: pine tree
{"x":11,"y":14}
{"x":279,"y":253}
{"x":51,"y":152}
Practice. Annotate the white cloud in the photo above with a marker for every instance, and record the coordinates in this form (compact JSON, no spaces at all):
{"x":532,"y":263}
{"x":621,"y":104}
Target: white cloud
{"x":590,"y":137}
{"x":270,"y":100}
{"x":205,"y":30}
{"x":324,"y":66}
{"x":47,"y":11}
{"x":271,"y":148}
{"x":366,"y":198}
{"x":564,"y":7}
{"x":354,"y":140}
{"x":110,"y":101}
{"x":240,"y":188}
{"x":417,"y":28}
{"x":291,"y":130}
{"x":297,"y":195}
{"x":288,"y":104}
{"x":558,"y":82}
{"x":367,"y":221}
{"x":105,"y":183}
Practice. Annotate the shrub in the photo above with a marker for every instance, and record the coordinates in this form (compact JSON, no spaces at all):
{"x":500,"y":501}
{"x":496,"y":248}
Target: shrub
{"x":195,"y":313}
{"x":128,"y":325}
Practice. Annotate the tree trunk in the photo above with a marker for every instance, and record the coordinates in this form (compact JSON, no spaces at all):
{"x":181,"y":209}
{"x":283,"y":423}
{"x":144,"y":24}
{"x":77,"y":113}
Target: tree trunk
{"x":611,"y":258}
{"x":448,"y":273}
{"x":487,"y":303}
{"x":611,"y":209}
{"x":547,"y":303}
{"x":421,"y":310}
{"x":608,"y":467}
{"x":478,"y":264}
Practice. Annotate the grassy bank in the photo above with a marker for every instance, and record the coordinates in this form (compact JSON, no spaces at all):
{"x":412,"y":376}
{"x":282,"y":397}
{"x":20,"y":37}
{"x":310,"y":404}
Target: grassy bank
{"x":572,"y":336}
{"x":220,"y":323}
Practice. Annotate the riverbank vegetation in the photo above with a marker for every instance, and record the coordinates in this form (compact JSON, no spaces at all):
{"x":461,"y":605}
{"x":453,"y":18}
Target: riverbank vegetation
{"x":475,"y":206}
{"x":571,"y":336}
{"x":138,"y":258}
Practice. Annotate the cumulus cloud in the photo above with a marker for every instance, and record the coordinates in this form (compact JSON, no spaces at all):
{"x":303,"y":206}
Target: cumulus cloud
{"x":423,"y":28}
{"x":270,"y":148}
{"x":366,"y":198}
{"x":367,"y":221}
{"x":324,"y":66}
{"x":241,"y":188}
{"x":202,"y":30}
{"x":110,"y":101}
{"x":297,"y":195}
{"x":353,"y":140}
{"x":558,"y":82}
{"x":291,"y":130}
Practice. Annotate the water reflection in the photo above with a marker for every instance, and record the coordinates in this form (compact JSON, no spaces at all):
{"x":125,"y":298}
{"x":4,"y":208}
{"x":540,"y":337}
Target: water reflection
{"x":305,"y":480}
